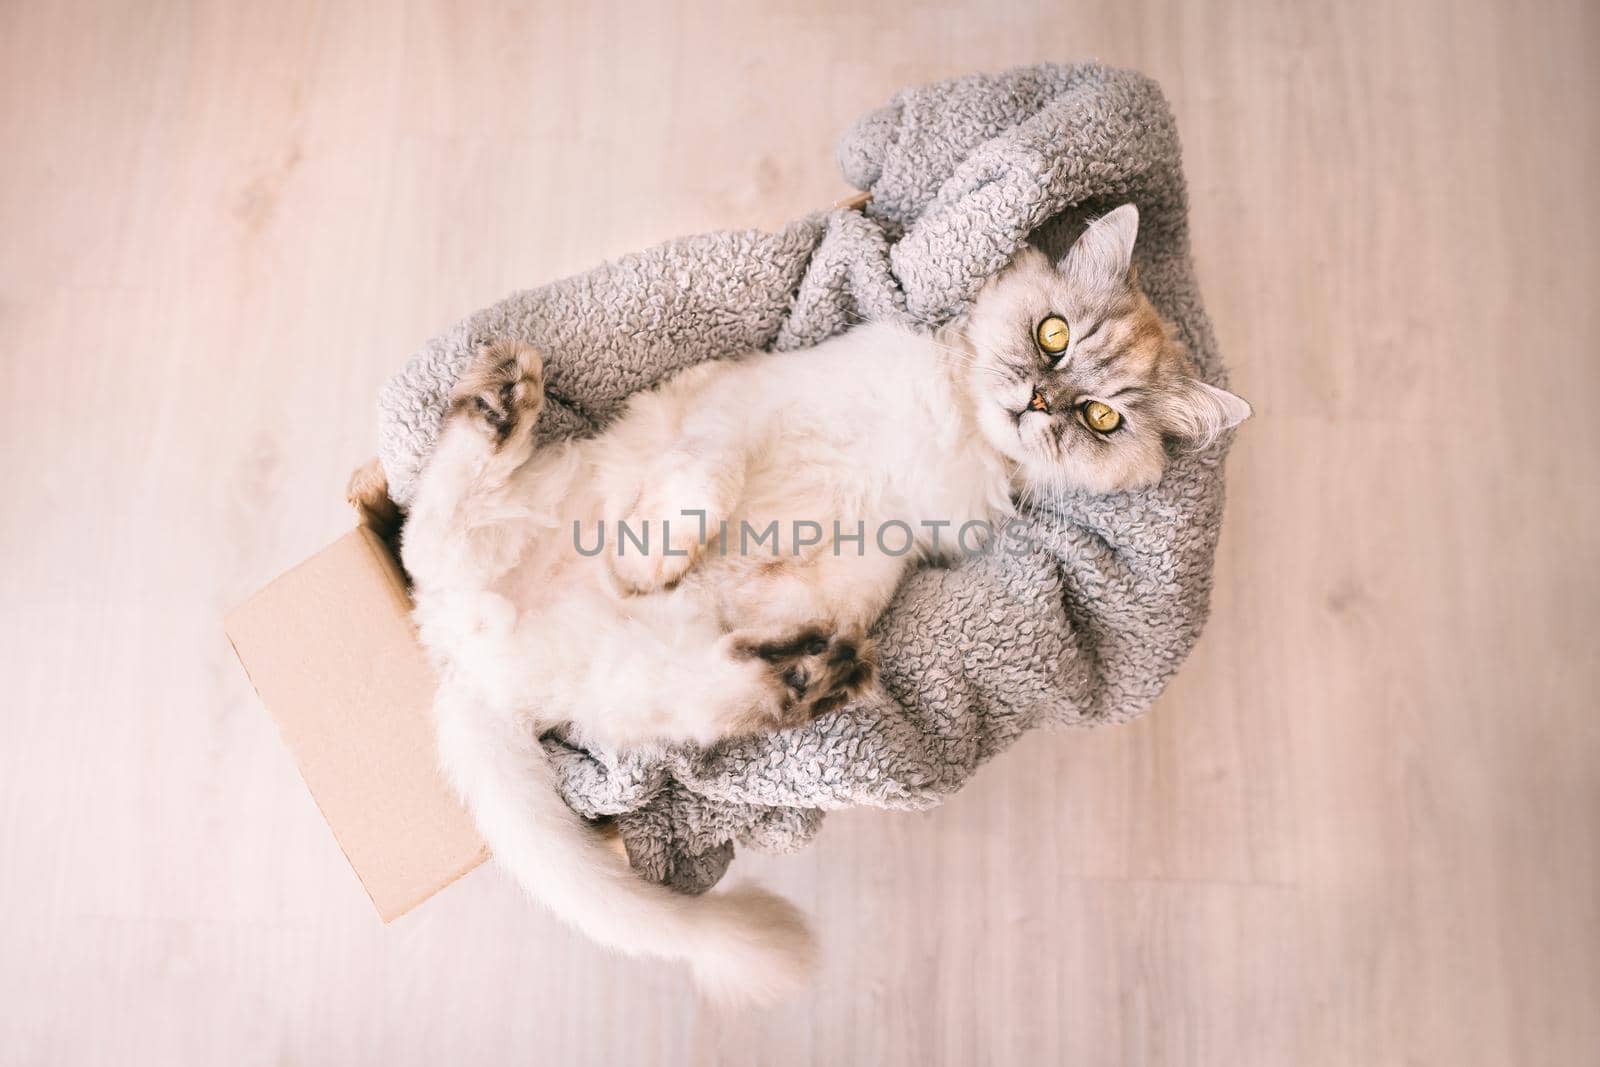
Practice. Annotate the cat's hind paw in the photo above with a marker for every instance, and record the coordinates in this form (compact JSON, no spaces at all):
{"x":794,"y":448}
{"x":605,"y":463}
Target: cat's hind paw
{"x":502,"y":391}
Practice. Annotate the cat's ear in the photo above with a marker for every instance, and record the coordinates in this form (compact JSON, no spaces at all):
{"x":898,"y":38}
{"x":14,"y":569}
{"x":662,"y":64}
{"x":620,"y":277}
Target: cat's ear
{"x":1197,"y":412}
{"x":1103,"y":255}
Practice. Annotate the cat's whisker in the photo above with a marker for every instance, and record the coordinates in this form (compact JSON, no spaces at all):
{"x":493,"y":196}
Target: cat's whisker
{"x":967,"y":361}
{"x":961,"y":355}
{"x":964,"y":355}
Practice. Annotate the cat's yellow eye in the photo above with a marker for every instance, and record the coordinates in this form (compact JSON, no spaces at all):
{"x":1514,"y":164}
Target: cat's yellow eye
{"x":1102,"y":417}
{"x":1053,"y":334}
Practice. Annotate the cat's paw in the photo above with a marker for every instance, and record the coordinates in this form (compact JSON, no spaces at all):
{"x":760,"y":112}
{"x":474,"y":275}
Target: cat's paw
{"x":502,"y":391}
{"x":672,"y":538}
{"x":640,"y":573}
{"x":814,"y":670}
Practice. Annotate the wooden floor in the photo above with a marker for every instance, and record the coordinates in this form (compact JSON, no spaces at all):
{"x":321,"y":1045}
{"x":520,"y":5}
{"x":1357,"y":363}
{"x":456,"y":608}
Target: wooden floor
{"x":1362,"y":828}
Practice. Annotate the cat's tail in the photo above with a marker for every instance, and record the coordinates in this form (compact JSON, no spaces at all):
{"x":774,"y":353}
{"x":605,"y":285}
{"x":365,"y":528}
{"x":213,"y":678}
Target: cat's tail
{"x":746,"y":946}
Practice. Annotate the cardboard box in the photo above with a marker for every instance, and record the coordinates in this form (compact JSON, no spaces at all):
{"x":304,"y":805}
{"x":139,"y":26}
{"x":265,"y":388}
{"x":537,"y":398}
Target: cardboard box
{"x":331,"y":650}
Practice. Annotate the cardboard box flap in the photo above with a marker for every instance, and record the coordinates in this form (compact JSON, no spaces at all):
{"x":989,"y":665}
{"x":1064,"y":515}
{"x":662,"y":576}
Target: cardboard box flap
{"x":332,"y":652}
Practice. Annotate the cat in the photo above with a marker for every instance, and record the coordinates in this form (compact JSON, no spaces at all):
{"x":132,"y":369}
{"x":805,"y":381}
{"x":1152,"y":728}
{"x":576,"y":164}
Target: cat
{"x":1060,"y":377}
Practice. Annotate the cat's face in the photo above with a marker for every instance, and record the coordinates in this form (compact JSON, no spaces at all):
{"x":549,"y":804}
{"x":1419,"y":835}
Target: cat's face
{"x":1075,"y":376}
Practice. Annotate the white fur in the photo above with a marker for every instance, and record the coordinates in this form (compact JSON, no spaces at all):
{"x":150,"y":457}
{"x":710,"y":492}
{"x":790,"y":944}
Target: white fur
{"x":879,"y":424}
{"x":528,"y":633}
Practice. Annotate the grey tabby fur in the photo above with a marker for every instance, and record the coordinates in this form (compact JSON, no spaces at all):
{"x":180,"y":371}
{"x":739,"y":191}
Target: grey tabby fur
{"x":1085,"y":630}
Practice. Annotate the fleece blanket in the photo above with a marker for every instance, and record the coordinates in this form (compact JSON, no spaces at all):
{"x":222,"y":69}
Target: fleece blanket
{"x":1084,"y":629}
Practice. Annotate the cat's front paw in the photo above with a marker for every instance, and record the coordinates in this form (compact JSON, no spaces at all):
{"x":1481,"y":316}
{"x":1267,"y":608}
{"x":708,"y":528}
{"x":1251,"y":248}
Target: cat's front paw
{"x":655,"y":552}
{"x":640,"y":573}
{"x":502,"y":391}
{"x":815,"y":670}
{"x":665,"y":529}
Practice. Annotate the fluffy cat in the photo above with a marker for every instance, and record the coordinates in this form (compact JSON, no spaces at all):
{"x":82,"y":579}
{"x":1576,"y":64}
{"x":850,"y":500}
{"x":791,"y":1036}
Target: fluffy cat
{"x":1061,"y":377}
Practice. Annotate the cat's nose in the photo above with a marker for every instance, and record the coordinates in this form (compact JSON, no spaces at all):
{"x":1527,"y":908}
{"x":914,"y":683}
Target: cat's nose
{"x":1040,"y":401}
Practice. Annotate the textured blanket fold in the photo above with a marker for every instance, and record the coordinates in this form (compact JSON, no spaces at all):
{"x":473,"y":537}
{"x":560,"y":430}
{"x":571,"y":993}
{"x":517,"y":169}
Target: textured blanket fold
{"x":1084,"y":628}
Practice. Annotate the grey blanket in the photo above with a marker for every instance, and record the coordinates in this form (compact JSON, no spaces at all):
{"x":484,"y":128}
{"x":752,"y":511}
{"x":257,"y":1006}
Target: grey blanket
{"x":1086,"y":628}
